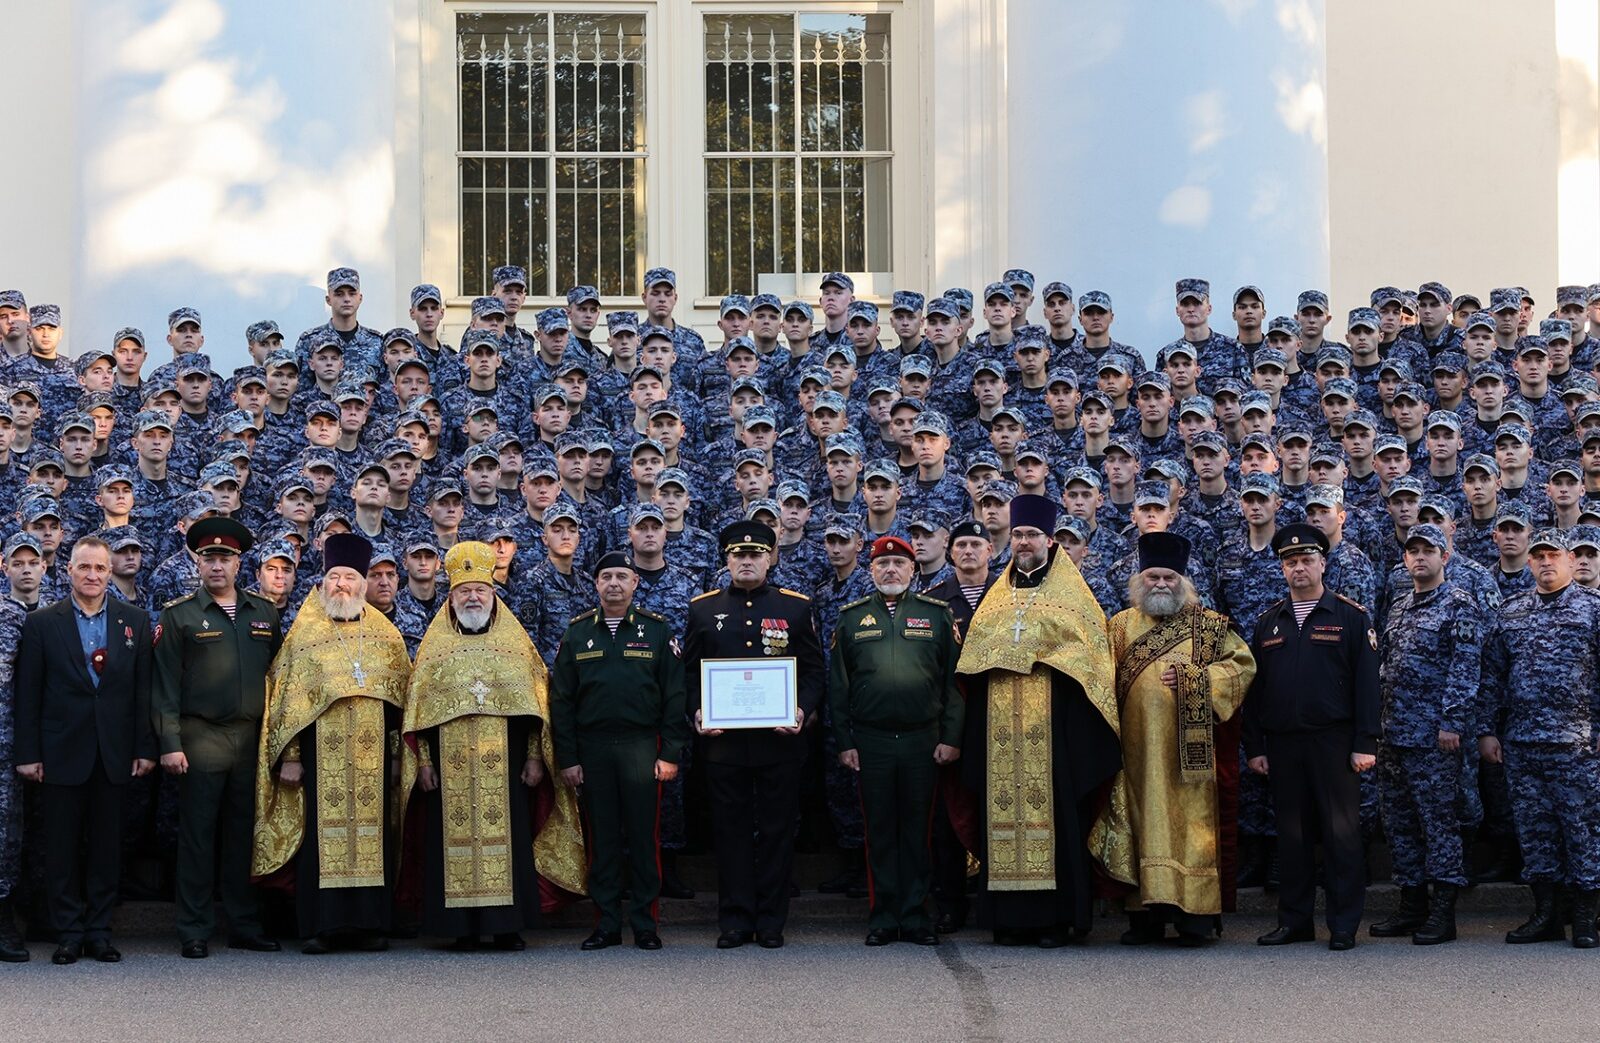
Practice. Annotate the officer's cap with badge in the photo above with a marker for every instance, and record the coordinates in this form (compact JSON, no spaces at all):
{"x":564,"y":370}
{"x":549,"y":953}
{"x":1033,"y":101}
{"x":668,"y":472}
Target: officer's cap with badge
{"x":747,"y":536}
{"x":613,"y":560}
{"x":887,"y":546}
{"x":222,"y":535}
{"x":1299,"y":538}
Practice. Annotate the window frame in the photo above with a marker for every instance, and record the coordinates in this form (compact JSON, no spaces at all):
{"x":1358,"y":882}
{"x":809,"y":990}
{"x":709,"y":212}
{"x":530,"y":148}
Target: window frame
{"x":442,"y":217}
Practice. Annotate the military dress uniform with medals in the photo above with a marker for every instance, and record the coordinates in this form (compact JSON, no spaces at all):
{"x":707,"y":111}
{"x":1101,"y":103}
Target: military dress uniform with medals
{"x":753,"y":776}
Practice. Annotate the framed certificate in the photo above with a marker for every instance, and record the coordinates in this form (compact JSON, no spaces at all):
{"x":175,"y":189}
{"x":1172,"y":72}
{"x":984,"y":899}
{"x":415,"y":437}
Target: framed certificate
{"x":747,"y":693}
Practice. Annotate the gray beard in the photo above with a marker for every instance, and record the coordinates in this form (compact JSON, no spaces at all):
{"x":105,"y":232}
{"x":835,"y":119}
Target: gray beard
{"x":473,"y":618}
{"x":342,"y":607}
{"x":1161,"y":604}
{"x":893,"y":590}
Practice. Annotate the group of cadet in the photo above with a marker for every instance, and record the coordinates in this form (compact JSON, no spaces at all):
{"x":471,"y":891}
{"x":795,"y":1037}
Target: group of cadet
{"x":1465,"y":428}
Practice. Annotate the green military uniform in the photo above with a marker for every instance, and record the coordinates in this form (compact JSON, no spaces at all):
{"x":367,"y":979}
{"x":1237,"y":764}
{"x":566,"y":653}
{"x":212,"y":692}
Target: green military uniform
{"x":893,"y":698}
{"x":208,"y":695}
{"x":616,"y":707}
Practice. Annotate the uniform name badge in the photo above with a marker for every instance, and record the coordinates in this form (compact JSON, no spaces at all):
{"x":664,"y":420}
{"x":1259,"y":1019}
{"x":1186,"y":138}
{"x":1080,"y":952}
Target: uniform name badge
{"x":748,"y":693}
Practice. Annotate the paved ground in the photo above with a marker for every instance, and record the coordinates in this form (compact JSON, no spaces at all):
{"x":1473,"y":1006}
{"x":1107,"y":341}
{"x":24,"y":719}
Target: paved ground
{"x":825,"y":985}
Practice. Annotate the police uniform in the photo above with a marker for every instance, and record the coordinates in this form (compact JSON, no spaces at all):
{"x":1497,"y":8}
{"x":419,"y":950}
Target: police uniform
{"x":207,"y":698}
{"x":753,"y":775}
{"x":893,"y":698}
{"x":616,"y":707}
{"x":1313,"y":703}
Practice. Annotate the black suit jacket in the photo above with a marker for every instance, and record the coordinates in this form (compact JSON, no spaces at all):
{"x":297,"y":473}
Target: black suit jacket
{"x":62,"y":719}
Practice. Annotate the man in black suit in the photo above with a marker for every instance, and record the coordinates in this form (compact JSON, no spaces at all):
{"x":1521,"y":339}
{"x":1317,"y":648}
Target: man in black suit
{"x":84,"y":729}
{"x":753,"y":774}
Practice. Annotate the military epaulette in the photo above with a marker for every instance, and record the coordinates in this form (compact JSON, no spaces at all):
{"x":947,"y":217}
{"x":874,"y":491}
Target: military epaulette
{"x":932,"y":600}
{"x":260,"y":597}
{"x":178,"y":600}
{"x":646,"y":613}
{"x":794,"y":593}
{"x":702,"y":597}
{"x":1347,"y":601}
{"x":853,"y":604}
{"x":582,"y":615}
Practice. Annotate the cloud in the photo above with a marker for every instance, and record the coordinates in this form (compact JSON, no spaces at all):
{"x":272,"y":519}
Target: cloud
{"x":1235,"y":10}
{"x":1298,"y":20}
{"x":1186,"y":207}
{"x":1206,"y":119}
{"x":1302,"y":107}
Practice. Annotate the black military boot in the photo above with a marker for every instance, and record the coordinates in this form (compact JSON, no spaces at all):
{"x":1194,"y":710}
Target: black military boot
{"x":1585,"y":906}
{"x":1407,"y":919}
{"x":1543,"y":925}
{"x":1441,"y":925}
{"x":12,"y":949}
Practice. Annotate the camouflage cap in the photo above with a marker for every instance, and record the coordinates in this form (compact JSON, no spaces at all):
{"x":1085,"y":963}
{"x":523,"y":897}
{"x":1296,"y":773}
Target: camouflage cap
{"x":1255,"y":402}
{"x":981,"y":458}
{"x":1445,"y":418}
{"x":675,"y":476}
{"x":1061,"y":375}
{"x":1311,"y":299}
{"x":1012,"y":413}
{"x":1330,"y":496}
{"x":21,"y":540}
{"x":1094,"y":299}
{"x":1327,"y":453}
{"x":1430,"y":534}
{"x":1514,"y":513}
{"x":651,"y":444}
{"x":1389,"y":443}
{"x":1551,"y":539}
{"x":933,"y":422}
{"x":1019,"y":277}
{"x":916,"y":365}
{"x":488,"y":305}
{"x":555,"y":392}
{"x":1405,"y":485}
{"x":1198,"y":405}
{"x":1027,"y":450}
{"x":654,"y":277}
{"x":998,"y":289}
{"x":1362,"y":318}
{"x":645,"y":512}
{"x":150,"y":420}
{"x":238,"y":421}
{"x":1167,"y":468}
{"x":426,"y":292}
{"x":864,"y":310}
{"x":622,"y":322}
{"x":1505,"y":298}
{"x":540,"y":465}
{"x":195,"y":364}
{"x":562,"y":510}
{"x":1265,"y":357}
{"x":884,"y":469}
{"x":446,"y":487}
{"x":13,"y":299}
{"x":1259,"y":484}
{"x":74,"y":421}
{"x":1073,"y":526}
{"x":178,"y":316}
{"x":759,"y":416}
{"x":553,"y":319}
{"x":1437,"y":290}
{"x":803,"y":308}
{"x":907,"y":300}
{"x":1481,"y":462}
{"x":1152,"y":493}
{"x":581,"y":295}
{"x":1555,"y":329}
{"x":943,"y":306}
{"x":830,"y":400}
{"x":109,"y":473}
{"x":1583,"y":536}
{"x":734,"y":302}
{"x":839,"y":279}
{"x":1154,"y":378}
{"x":281,"y":358}
{"x":1385,"y":295}
{"x":1198,"y":289}
{"x":763,"y":505}
{"x":1031,"y":337}
{"x":961,"y":296}
{"x":1253,"y":291}
{"x":1339,"y":387}
{"x":196,"y":505}
{"x":792,"y":489}
{"x":1257,"y":440}
{"x":1529,"y":345}
{"x":1332,"y":354}
{"x":748,"y":383}
{"x":341,"y":277}
{"x":1285,"y":324}
{"x":996,"y":367}
{"x":44,"y":315}
{"x":1567,"y":467}
{"x":1000,"y":489}
{"x":480,"y":452}
{"x":758,"y":457}
{"x":1361,"y":418}
{"x":766,"y":300}
{"x":1081,"y":475}
{"x":844,"y":525}
{"x":218,"y":472}
{"x":27,"y":387}
{"x":81,"y":364}
{"x":1209,"y":441}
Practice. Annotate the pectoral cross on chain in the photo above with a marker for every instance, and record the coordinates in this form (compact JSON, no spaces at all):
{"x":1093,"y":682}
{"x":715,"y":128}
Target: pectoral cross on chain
{"x":359,"y":674}
{"x":1016,"y":631}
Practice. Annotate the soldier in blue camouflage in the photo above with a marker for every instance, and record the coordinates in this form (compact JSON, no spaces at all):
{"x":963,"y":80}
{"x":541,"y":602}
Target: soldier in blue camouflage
{"x":547,"y":597}
{"x":930,"y":545}
{"x":848,"y":581}
{"x":1218,"y":355}
{"x":660,"y":298}
{"x":1349,"y":572}
{"x":1432,"y":657}
{"x":1541,"y":715}
{"x":1072,"y":536}
{"x":954,"y":363}
{"x":12,"y":616}
{"x":363,"y":346}
{"x":421,"y":597}
{"x":178,"y":574}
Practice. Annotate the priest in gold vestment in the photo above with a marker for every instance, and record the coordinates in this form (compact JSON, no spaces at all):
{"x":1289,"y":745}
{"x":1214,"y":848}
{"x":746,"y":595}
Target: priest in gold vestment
{"x":1182,"y":675}
{"x":477,"y":745}
{"x":329,"y":738}
{"x":1041,"y":748}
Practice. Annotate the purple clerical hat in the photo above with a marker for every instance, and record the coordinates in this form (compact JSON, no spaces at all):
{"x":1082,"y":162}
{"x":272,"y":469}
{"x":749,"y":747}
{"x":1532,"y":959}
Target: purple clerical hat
{"x":1037,"y":511}
{"x":348,"y":550}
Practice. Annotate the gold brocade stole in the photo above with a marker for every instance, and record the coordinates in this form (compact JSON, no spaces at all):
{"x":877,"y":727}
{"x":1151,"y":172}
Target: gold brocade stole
{"x":350,"y":794}
{"x":1021,"y":811}
{"x":1197,"y":747}
{"x":475,"y":787}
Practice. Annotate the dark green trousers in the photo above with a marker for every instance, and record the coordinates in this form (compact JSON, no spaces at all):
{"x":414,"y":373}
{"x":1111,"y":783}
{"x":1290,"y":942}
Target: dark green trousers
{"x":620,"y":802}
{"x":898,"y":777}
{"x":216,"y":813}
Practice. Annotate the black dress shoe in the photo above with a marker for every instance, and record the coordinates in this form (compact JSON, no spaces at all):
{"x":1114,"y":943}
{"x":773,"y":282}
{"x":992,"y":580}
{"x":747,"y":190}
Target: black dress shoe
{"x":254,"y":943}
{"x":773,"y":940}
{"x":882,"y":936}
{"x":600,"y":940}
{"x":66,"y":953}
{"x":920,"y":936}
{"x":649,"y":941}
{"x":1341,"y":942}
{"x":101,"y":950}
{"x":1052,"y":939}
{"x":196,"y":950}
{"x":510,"y":941}
{"x":1288,"y":936}
{"x":732,"y":939}
{"x":948,"y":923}
{"x":316,"y":945}
{"x":465,"y":943}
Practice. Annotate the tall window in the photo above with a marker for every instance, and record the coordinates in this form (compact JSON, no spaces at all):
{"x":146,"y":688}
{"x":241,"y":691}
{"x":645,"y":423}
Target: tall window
{"x":797,"y":150}
{"x":551,"y":149}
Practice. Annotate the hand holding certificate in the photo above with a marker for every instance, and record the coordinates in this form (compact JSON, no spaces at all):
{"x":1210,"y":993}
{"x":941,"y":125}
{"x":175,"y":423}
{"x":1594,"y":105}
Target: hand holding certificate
{"x":748,"y":693}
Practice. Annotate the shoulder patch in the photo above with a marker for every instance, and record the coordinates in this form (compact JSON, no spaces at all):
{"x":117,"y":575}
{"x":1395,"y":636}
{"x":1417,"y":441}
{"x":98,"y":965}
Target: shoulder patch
{"x":858,"y":601}
{"x":794,"y":593}
{"x":1354,"y":604}
{"x":646,"y":613}
{"x":177,"y":600}
{"x":702,"y":597}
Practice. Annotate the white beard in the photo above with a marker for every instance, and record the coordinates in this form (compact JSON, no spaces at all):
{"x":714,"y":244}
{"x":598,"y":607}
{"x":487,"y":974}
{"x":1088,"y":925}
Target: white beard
{"x":473,"y":618}
{"x":1161,"y":604}
{"x":341,"y":606}
{"x":893,"y":590}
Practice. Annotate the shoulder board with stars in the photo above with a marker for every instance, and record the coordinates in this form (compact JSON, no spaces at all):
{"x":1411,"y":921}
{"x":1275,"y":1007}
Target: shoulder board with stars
{"x":853,"y":604}
{"x":702,"y":597}
{"x":932,"y":600}
{"x":1354,"y":604}
{"x":794,"y":593}
{"x":582,"y":615}
{"x":178,"y":600}
{"x":646,"y":613}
